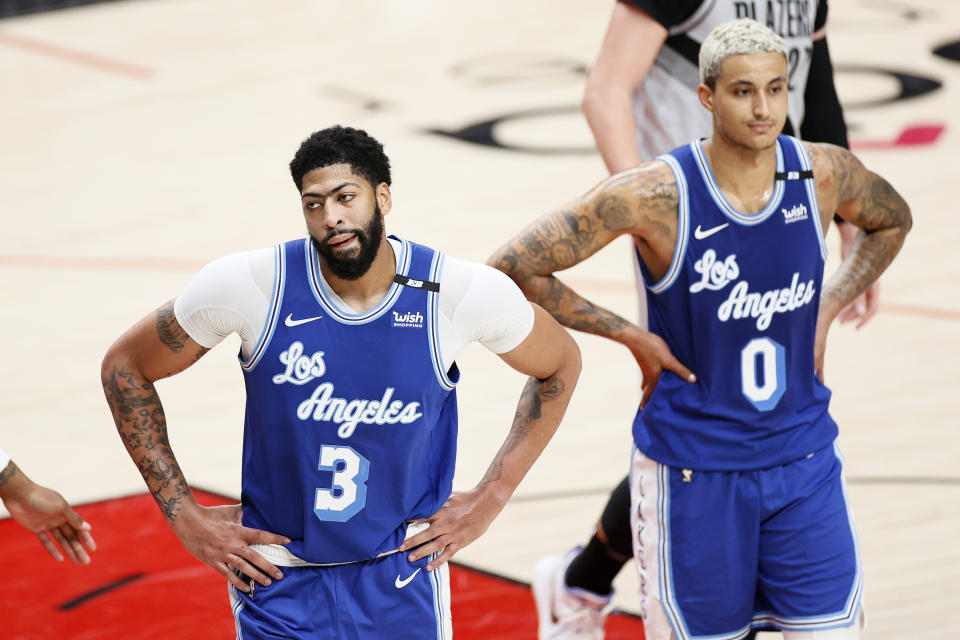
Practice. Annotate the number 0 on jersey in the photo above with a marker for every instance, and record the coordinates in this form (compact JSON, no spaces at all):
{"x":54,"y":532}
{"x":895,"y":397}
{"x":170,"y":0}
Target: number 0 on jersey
{"x":763,"y":356}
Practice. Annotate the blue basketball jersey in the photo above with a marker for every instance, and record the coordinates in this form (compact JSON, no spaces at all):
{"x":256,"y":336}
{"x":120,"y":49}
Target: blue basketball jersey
{"x":351,"y":421}
{"x":738,"y":306}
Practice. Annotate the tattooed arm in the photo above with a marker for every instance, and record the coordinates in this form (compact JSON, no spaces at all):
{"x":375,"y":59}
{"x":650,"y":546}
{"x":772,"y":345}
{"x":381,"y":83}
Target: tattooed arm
{"x":868,"y":201}
{"x":641,"y":203}
{"x":552,"y":360}
{"x":44,"y":512}
{"x":158,"y":347}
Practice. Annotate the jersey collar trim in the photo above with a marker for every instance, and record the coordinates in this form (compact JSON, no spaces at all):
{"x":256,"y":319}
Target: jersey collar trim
{"x":721,"y":201}
{"x":319,"y":290}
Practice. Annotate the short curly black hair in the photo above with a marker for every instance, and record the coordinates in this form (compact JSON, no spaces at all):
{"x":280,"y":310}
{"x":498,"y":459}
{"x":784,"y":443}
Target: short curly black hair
{"x":341,"y":145}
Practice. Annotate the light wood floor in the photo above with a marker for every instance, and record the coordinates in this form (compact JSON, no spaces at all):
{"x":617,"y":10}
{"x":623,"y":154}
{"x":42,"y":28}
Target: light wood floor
{"x":140,"y":140}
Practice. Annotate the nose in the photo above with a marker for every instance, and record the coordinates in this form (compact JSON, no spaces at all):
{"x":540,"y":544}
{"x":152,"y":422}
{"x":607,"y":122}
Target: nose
{"x":761,"y":106}
{"x":332,"y":214}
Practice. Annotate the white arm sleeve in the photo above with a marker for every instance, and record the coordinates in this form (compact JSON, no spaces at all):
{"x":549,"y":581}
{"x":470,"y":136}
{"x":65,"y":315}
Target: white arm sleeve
{"x":479,"y":304}
{"x":231,"y":294}
{"x":4,"y":459}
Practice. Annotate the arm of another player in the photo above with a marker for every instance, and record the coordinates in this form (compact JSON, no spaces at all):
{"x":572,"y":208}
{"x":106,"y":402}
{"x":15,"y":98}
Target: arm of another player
{"x":629,"y":48}
{"x":154,"y":348}
{"x":640,"y":202}
{"x":552,"y":360}
{"x":866,"y":200}
{"x":44,"y":512}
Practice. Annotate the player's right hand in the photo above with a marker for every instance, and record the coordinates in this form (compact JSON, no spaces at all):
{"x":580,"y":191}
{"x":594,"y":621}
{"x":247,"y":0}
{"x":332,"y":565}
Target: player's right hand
{"x":654,"y":357}
{"x":216,"y":537}
{"x":44,"y":512}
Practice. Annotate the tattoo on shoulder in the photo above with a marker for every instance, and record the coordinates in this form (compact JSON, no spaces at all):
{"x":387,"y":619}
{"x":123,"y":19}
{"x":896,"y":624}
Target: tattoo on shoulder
{"x":836,"y":168}
{"x":661,"y":201}
{"x":614,"y":213}
{"x":7,"y":473}
{"x":169,"y":330}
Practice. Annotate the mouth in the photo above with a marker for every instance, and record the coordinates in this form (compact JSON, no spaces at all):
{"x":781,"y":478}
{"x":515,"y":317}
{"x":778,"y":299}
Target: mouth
{"x":761,"y":127}
{"x":341,"y":240}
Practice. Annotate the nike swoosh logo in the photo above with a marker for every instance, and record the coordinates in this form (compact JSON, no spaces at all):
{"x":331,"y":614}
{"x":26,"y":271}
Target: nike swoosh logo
{"x":700,"y":234}
{"x":290,"y":322}
{"x":400,"y":584}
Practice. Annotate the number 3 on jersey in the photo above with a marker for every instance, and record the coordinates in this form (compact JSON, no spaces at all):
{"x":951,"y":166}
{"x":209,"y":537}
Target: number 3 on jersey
{"x":347,"y":494}
{"x":763,"y":355}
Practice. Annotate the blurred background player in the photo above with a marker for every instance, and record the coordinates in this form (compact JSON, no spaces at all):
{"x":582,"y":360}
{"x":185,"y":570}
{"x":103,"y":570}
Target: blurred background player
{"x":44,"y":512}
{"x":738,"y":513}
{"x":640,"y":101}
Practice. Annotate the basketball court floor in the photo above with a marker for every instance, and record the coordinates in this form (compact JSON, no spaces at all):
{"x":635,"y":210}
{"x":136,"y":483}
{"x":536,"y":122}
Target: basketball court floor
{"x":140,"y":140}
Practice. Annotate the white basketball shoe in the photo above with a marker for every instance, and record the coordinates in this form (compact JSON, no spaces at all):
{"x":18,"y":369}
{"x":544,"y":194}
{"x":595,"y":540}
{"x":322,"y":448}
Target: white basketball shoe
{"x":567,"y":612}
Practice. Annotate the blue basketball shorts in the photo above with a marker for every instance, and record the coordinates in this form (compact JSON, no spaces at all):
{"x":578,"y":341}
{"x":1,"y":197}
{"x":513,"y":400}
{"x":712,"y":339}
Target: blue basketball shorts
{"x":388,"y":597}
{"x":720,"y":552}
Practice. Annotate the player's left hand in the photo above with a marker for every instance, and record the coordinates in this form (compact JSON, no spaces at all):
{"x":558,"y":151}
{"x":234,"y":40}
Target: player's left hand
{"x":864,"y":306}
{"x":462,"y":519}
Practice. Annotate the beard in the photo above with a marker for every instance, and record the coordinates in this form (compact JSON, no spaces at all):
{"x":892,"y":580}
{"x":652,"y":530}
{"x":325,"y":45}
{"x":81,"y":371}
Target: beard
{"x":352,"y":267}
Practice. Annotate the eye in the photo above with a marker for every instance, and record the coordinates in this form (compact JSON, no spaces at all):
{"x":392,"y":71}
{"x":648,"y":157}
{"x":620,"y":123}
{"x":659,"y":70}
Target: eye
{"x":347,"y":197}
{"x":742,"y":92}
{"x":312,"y":205}
{"x":776,"y":89}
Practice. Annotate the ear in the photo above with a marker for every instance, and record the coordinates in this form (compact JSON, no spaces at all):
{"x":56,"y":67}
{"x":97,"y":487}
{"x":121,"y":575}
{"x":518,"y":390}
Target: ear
{"x":383,"y":198}
{"x":706,"y":96}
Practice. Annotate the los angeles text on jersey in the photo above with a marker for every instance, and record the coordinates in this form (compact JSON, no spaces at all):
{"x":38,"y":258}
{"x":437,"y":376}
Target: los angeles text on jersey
{"x":322,"y":405}
{"x":788,"y":18}
{"x":742,"y":303}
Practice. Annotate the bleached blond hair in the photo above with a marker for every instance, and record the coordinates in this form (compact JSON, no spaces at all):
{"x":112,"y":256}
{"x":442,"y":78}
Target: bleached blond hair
{"x":736,"y":37}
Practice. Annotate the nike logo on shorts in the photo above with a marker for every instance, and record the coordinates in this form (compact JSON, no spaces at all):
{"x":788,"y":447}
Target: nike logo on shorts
{"x":700,"y":234}
{"x":400,"y":584}
{"x":290,"y":322}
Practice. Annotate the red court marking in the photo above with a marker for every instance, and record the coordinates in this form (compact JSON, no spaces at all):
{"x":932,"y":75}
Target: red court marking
{"x":914,"y":310}
{"x":487,"y":606}
{"x":73,"y":56}
{"x":918,"y":135}
{"x":178,"y":597}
